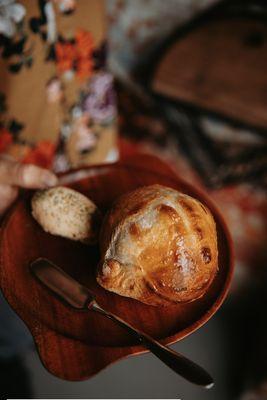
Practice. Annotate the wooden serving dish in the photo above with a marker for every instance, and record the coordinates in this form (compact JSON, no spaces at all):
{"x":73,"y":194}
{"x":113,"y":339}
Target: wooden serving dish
{"x":229,"y":89}
{"x":75,"y":345}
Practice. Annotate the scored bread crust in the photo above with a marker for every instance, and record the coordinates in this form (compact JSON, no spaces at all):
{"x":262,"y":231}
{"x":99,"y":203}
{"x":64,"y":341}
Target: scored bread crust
{"x":158,"y":246}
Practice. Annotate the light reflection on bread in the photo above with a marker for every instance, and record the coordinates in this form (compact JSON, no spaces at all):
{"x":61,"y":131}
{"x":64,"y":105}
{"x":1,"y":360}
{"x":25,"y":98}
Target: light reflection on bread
{"x":158,"y":246}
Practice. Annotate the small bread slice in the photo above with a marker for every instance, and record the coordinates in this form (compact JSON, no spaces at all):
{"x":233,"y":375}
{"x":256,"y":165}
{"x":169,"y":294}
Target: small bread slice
{"x":64,"y":212}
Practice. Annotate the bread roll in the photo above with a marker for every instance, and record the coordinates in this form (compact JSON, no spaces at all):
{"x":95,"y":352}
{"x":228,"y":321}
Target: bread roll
{"x":158,"y":246}
{"x":64,"y":212}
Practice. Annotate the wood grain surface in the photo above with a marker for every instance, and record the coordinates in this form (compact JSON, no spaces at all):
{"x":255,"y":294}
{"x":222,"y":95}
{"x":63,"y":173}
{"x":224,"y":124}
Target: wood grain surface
{"x":220,"y":67}
{"x":75,"y":345}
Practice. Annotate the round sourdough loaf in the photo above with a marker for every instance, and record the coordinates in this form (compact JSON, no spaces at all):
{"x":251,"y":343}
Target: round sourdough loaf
{"x":158,"y":246}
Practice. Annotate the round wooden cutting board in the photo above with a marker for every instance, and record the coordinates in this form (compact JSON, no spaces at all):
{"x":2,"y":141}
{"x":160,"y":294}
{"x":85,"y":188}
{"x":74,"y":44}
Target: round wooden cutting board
{"x":75,"y":345}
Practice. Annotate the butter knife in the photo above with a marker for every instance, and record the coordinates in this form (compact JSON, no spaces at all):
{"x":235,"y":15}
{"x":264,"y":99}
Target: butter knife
{"x":79,"y":297}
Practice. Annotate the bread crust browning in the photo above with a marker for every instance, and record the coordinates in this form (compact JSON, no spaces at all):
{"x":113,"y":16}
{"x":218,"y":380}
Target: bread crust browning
{"x":158,"y":246}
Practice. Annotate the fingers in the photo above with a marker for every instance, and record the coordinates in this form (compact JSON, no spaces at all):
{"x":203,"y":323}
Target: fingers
{"x":25,"y":175}
{"x":14,"y":175}
{"x":32,"y":177}
{"x":8,"y":194}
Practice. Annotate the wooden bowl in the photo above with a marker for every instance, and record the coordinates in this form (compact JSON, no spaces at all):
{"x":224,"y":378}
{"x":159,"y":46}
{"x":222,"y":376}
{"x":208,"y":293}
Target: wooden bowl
{"x":75,"y":345}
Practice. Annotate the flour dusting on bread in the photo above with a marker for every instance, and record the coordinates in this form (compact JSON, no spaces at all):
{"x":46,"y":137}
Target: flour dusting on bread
{"x":158,"y":246}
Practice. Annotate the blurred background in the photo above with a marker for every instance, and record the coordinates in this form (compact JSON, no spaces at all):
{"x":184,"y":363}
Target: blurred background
{"x":184,"y":80}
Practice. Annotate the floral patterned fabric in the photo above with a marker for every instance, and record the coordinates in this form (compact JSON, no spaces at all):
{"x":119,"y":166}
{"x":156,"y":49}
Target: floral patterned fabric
{"x":57,"y":103}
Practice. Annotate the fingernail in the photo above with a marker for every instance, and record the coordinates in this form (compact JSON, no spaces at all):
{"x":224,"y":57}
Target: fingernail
{"x":50,"y":179}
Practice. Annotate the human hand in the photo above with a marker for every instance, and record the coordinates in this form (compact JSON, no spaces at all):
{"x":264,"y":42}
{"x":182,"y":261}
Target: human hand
{"x":14,"y":175}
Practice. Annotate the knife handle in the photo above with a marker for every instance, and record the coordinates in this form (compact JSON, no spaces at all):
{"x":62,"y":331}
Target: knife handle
{"x":177,"y":362}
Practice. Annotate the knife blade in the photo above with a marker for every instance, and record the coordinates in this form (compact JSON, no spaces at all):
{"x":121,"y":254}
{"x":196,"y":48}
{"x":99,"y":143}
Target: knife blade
{"x":59,"y":282}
